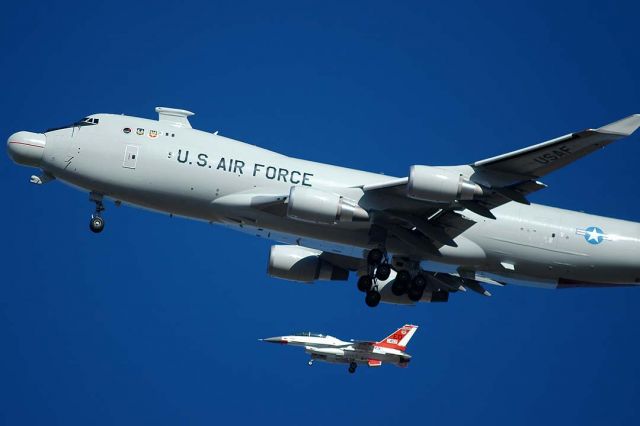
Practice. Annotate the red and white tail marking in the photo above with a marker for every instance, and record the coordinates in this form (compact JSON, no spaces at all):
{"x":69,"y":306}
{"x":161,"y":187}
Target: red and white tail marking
{"x":400,"y":338}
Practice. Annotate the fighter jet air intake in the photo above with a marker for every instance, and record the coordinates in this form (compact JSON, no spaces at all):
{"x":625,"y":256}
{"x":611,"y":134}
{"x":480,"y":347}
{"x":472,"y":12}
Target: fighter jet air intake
{"x":332,"y":221}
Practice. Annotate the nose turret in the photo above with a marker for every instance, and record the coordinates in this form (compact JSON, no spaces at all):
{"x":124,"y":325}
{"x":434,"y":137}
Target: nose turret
{"x":26,"y":148}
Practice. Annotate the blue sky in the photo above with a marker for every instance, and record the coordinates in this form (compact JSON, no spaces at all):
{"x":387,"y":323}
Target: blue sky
{"x":157,"y":319}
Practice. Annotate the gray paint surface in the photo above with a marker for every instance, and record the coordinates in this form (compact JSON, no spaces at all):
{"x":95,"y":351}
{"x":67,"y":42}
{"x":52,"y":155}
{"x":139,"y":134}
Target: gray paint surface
{"x":167,"y":166}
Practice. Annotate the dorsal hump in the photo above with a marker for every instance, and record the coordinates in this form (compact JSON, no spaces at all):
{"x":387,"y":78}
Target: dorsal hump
{"x":175,"y":117}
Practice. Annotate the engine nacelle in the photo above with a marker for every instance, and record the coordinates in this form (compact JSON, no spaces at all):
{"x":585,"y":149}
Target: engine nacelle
{"x":302,"y":264}
{"x":317,"y":206}
{"x":436,"y":184}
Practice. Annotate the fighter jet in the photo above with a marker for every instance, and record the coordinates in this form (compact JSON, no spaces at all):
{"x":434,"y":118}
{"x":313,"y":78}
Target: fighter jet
{"x":390,"y":350}
{"x":335,"y":221}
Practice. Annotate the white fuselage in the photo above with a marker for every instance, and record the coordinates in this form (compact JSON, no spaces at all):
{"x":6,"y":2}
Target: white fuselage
{"x":200,"y":175}
{"x":329,"y":349}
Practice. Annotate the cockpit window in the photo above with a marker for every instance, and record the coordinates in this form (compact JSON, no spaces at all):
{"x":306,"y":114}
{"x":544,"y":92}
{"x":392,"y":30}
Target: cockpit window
{"x":87,"y":121}
{"x":309,"y":334}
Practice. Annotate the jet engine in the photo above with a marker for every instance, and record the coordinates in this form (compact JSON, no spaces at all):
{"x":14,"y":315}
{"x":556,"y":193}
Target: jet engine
{"x":302,"y":264}
{"x":316,"y":206}
{"x":427,"y":183}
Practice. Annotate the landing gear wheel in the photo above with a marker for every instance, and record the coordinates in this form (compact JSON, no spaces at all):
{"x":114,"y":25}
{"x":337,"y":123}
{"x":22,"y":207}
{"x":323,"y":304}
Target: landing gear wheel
{"x":352,"y":367}
{"x":401,"y":283}
{"x":419,"y":282}
{"x":416,"y":290}
{"x":415,"y":294}
{"x":404,"y":276}
{"x":375,"y":257}
{"x":372,"y":299}
{"x":96,"y":224}
{"x":383,"y":271}
{"x":365,"y":283}
{"x":398,"y":288}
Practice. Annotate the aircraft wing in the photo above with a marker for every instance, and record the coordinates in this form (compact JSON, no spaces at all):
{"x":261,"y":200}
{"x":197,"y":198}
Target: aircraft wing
{"x":512,"y":176}
{"x":427,"y":226}
{"x":362,"y":345}
{"x":538,"y":160}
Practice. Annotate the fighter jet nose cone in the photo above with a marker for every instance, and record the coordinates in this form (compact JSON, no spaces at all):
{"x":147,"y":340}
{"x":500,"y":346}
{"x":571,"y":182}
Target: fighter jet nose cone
{"x":26,"y":148}
{"x":275,"y":340}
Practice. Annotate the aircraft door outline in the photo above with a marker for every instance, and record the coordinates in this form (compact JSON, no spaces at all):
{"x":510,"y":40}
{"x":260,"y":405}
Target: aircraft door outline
{"x":131,"y":153}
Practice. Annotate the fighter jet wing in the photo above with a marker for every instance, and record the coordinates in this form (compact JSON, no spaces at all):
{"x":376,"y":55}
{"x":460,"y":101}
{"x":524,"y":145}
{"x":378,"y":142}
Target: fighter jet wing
{"x":362,"y":345}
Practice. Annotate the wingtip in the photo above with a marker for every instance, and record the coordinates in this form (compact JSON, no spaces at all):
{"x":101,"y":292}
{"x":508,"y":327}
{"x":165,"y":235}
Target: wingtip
{"x":624,"y":127}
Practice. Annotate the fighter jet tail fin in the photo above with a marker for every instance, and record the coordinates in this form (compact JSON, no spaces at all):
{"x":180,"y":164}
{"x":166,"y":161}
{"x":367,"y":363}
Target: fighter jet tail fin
{"x":399,"y":339}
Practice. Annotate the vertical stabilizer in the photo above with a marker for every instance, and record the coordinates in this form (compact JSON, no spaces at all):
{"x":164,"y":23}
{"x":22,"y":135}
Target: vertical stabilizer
{"x":399,"y":339}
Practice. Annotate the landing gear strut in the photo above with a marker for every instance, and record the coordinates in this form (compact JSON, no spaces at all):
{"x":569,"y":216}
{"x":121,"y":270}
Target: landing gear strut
{"x":375,"y":257}
{"x":352,"y":367}
{"x":378,"y":269}
{"x":96,"y":224}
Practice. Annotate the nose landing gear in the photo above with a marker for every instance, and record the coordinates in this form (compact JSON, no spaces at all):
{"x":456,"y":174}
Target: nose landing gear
{"x":96,"y":224}
{"x":352,"y":367}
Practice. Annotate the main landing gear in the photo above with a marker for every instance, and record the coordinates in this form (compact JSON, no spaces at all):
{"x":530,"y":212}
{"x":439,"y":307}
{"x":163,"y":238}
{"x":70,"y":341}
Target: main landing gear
{"x":378,"y":269}
{"x":96,"y":224}
{"x":414,"y":288}
{"x":352,"y":367}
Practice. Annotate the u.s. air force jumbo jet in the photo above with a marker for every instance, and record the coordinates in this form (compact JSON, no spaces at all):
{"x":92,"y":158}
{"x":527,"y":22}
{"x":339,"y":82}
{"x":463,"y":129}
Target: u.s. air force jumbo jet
{"x":390,"y":350}
{"x":474,"y":216}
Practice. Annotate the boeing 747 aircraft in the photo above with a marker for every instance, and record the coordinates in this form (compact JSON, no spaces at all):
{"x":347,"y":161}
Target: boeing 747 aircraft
{"x":390,"y":350}
{"x":336,"y":220}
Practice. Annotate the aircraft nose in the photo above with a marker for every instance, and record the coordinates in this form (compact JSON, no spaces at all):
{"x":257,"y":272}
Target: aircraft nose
{"x":275,"y":340}
{"x":26,"y":148}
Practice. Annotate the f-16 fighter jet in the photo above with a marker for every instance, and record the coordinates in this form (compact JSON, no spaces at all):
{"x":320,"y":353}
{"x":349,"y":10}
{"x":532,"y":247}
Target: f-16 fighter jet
{"x":390,"y":350}
{"x":335,"y":220}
